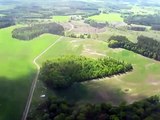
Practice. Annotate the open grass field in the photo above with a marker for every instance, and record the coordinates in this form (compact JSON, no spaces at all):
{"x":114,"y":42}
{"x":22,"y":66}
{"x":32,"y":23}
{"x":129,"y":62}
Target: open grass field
{"x":111,"y":17}
{"x":17,"y":71}
{"x":142,"y":82}
{"x":60,"y":19}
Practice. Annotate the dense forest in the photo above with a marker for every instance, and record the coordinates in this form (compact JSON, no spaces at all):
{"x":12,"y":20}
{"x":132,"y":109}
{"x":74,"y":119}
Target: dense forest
{"x":145,"y":46}
{"x":6,"y":21}
{"x":64,"y":71}
{"x":156,"y":27}
{"x":137,"y":28}
{"x":56,"y":109}
{"x":23,"y":13}
{"x":28,"y":33}
{"x":148,"y":20}
{"x":93,"y":23}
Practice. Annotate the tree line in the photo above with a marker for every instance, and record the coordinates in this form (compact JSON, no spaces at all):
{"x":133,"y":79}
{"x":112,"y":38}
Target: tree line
{"x":62,"y":72}
{"x":145,"y":46}
{"x":137,"y":28}
{"x":148,"y":20}
{"x":82,"y":36}
{"x":156,"y":27}
{"x":6,"y":21}
{"x":95,"y":24}
{"x":30,"y":32}
{"x":58,"y":109}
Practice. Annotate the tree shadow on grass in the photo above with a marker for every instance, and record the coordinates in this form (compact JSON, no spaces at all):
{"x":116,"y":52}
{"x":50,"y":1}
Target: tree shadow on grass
{"x":13,"y":96}
{"x":92,"y":92}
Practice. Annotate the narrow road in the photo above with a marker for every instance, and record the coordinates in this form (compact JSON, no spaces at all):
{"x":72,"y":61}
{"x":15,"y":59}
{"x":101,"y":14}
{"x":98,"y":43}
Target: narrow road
{"x":33,"y":86}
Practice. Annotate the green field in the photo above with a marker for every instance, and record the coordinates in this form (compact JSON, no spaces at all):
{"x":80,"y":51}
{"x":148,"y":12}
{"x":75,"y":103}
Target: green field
{"x":17,"y":71}
{"x":61,"y":18}
{"x":146,"y":73}
{"x":111,"y":17}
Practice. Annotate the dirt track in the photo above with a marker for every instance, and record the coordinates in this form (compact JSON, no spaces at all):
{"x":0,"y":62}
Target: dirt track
{"x":32,"y":89}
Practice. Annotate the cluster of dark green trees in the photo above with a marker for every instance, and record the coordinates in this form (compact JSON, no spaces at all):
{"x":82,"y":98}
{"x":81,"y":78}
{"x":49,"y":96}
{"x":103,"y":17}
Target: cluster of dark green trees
{"x":64,"y":71}
{"x":143,"y":19}
{"x":145,"y":46}
{"x":89,"y":14}
{"x":28,"y":33}
{"x":82,"y":36}
{"x":95,"y":24}
{"x":156,"y":27}
{"x":56,"y":109}
{"x":6,"y":21}
{"x":137,"y":28}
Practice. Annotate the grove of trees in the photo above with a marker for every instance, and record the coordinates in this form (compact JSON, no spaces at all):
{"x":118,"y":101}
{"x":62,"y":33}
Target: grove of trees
{"x":95,"y":24}
{"x":58,"y":109}
{"x":156,"y":27}
{"x":62,"y":72}
{"x":28,"y":33}
{"x":82,"y":36}
{"x":145,"y":46}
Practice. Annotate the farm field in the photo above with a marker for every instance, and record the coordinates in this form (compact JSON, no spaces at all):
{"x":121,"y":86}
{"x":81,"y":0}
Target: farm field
{"x":111,"y":17}
{"x":146,"y":72}
{"x":131,"y":35}
{"x":18,"y":65}
{"x":17,"y":70}
{"x":61,"y":18}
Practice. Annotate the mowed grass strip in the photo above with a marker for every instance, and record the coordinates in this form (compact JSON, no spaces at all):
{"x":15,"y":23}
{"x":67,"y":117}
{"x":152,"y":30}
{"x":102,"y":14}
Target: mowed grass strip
{"x":111,"y":17}
{"x":61,"y":18}
{"x":17,"y":70}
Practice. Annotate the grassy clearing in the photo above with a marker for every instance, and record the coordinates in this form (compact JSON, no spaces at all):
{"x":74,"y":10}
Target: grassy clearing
{"x":18,"y":71}
{"x":61,"y":18}
{"x":108,"y":89}
{"x":111,"y":17}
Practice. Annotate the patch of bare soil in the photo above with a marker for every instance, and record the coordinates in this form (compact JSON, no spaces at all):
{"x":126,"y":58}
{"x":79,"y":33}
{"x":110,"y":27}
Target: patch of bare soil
{"x":78,"y":40}
{"x":153,"y":80}
{"x":92,"y":52}
{"x":118,"y":24}
{"x":82,"y":28}
{"x":130,"y":98}
{"x":127,"y":90}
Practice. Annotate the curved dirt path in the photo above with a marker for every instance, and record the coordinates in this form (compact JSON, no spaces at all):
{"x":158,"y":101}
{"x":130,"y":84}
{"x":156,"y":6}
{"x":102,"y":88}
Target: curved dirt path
{"x":33,"y":86}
